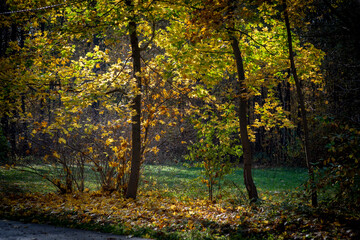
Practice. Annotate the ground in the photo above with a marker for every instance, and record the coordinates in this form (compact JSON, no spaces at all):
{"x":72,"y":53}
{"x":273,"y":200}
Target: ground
{"x":12,"y":230}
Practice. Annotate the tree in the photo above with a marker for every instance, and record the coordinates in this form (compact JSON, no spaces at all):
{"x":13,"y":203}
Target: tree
{"x":86,"y":83}
{"x":263,"y":37}
{"x":207,"y":19}
{"x":242,"y":109}
{"x":308,"y":155}
{"x":136,"y":123}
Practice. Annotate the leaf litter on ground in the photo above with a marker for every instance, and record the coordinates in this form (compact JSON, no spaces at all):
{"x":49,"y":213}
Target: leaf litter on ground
{"x":156,"y":216}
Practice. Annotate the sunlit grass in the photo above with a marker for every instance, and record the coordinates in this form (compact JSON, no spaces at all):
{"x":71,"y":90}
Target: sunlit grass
{"x":18,"y":180}
{"x":180,"y":181}
{"x":14,"y":181}
{"x":175,"y":181}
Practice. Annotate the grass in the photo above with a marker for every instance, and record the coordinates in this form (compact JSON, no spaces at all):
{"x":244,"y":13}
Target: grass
{"x":16,"y":180}
{"x":175,"y":180}
{"x":180,"y":181}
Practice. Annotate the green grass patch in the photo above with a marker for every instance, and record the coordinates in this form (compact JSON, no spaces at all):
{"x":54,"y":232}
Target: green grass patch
{"x":13,"y":180}
{"x":180,"y":181}
{"x":176,"y":180}
{"x":17,"y":180}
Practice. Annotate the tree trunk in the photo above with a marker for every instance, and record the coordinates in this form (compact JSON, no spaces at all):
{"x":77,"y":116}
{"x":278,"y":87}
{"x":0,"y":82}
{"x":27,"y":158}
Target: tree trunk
{"x":308,"y":157}
{"x":136,"y":127}
{"x":248,"y":180}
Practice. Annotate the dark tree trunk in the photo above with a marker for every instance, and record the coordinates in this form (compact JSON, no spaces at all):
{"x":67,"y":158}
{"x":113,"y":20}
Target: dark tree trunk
{"x":308,"y":157}
{"x":242,"y":109}
{"x":136,"y":126}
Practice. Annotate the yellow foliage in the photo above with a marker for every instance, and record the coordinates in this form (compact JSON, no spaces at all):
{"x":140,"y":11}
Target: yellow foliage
{"x":55,"y":154}
{"x":113,"y":164}
{"x":90,"y":149}
{"x":155,"y":150}
{"x":109,"y":141}
{"x":62,"y":140}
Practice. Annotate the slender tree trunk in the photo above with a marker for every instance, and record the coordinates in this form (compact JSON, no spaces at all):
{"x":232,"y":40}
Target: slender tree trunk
{"x":308,"y":157}
{"x":248,"y":180}
{"x":136,"y":127}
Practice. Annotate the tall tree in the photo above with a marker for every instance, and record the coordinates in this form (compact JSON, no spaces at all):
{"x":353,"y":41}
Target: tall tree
{"x":242,"y":112}
{"x":308,"y":155}
{"x":220,"y":17}
{"x":136,"y":123}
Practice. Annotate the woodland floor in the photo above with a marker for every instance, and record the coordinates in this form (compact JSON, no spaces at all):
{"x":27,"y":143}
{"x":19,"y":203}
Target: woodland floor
{"x":169,"y":213}
{"x":152,"y":216}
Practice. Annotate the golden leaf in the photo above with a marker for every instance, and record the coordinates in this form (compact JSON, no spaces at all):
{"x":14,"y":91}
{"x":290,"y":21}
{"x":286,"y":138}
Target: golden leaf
{"x":62,"y":140}
{"x":113,"y":164}
{"x":109,"y":141}
{"x":90,"y":150}
{"x":55,"y":154}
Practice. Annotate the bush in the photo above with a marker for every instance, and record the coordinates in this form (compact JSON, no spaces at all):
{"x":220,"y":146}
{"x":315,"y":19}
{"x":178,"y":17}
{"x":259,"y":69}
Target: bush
{"x":218,"y":143}
{"x":341,"y":165}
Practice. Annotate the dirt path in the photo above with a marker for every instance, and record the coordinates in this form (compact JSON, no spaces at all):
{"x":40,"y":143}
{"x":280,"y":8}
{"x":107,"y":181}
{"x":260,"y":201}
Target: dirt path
{"x":12,"y":230}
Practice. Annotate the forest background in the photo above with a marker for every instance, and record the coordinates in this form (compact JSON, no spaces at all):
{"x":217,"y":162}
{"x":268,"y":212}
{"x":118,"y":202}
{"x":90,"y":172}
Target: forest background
{"x":111,"y":86}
